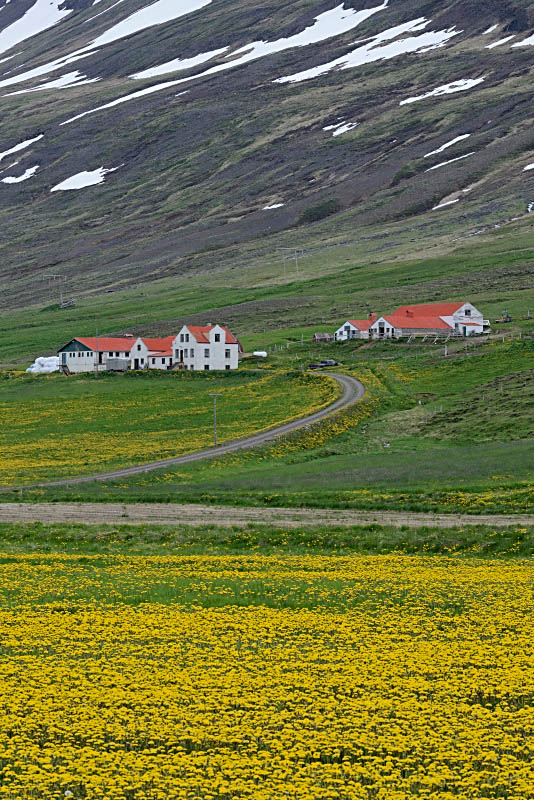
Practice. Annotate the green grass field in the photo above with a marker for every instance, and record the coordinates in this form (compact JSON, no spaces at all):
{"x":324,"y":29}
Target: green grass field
{"x":336,"y":281}
{"x":432,"y":433}
{"x":54,"y":426}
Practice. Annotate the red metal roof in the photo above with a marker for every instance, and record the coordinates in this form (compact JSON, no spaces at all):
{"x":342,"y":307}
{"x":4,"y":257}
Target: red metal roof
{"x":158,"y":345}
{"x":362,"y":324}
{"x":107,"y":343}
{"x":201,"y":333}
{"x":427,"y":315}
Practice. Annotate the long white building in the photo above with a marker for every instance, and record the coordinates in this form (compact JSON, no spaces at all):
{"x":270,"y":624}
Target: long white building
{"x":195,"y":347}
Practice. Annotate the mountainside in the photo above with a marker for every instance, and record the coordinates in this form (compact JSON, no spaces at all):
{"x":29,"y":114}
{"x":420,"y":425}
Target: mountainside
{"x":145,"y":140}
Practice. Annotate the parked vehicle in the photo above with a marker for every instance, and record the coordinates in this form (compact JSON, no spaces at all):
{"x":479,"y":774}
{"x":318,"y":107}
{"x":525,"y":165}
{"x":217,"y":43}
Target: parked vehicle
{"x":315,"y":365}
{"x":329,"y":362}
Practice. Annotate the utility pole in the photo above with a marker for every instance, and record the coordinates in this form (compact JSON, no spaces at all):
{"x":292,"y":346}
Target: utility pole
{"x":296,"y":251}
{"x":96,"y":353}
{"x":61,"y":279}
{"x":215,"y":395}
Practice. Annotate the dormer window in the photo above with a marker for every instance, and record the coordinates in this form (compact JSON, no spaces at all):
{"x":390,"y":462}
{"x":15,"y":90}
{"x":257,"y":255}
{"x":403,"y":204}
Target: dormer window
{"x":217,"y":337}
{"x":467,"y":312}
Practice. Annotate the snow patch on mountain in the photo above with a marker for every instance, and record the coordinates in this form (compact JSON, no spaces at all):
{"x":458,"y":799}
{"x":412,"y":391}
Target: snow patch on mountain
{"x":154,"y":14}
{"x":29,"y":173}
{"x":451,"y":161}
{"x":331,"y":23}
{"x":340,"y":127}
{"x":42,"y":15}
{"x":447,"y":145}
{"x":499,"y":42}
{"x":83,"y":179}
{"x":157,"y":13}
{"x":526,"y":42}
{"x":75,"y":78}
{"x":446,"y":203}
{"x":158,"y":87}
{"x":44,"y":69}
{"x":178,"y":64}
{"x":20,"y":146}
{"x":447,"y":88}
{"x":377,"y":49}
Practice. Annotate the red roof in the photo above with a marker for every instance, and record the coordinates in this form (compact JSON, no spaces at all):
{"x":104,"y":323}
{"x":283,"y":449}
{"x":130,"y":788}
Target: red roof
{"x":201,"y":333}
{"x":107,"y":343}
{"x":362,"y":324}
{"x":158,"y":345}
{"x":161,"y":354}
{"x":428,"y":315}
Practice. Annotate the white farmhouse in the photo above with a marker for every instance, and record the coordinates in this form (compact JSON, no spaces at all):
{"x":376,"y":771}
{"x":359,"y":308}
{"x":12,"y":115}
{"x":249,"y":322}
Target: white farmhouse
{"x":206,"y":347}
{"x":152,"y":353}
{"x":354,"y":329}
{"x":86,"y":354}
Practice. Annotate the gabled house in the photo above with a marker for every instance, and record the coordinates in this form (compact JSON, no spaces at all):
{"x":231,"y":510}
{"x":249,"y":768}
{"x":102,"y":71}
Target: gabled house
{"x":152,"y":353}
{"x":439,"y":319}
{"x":87,"y":353}
{"x":206,"y":347}
{"x":354,"y":329}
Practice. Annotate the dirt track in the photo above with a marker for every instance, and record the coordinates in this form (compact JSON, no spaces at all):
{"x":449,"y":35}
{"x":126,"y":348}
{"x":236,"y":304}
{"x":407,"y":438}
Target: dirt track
{"x":170,"y":514}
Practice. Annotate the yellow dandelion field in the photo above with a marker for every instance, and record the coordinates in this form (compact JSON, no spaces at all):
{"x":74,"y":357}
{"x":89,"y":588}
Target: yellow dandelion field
{"x":264,"y":677}
{"x":55,"y":427}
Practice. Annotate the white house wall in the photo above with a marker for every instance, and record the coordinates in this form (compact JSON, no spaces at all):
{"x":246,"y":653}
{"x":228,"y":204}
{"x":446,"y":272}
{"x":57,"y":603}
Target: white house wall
{"x":341,"y":335}
{"x":211,"y":354}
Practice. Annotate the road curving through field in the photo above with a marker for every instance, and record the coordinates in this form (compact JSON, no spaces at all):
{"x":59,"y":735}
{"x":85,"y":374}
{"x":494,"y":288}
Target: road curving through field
{"x":353,"y":390}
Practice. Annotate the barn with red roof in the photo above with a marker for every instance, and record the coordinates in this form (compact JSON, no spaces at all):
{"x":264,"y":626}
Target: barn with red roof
{"x":86,"y":353}
{"x":439,"y":319}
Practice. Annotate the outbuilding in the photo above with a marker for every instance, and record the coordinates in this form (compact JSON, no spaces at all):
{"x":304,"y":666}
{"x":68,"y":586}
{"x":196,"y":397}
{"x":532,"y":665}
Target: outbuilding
{"x":354,"y":329}
{"x":85,"y":354}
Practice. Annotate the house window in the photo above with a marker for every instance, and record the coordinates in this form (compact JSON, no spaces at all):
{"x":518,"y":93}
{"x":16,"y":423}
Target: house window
{"x":227,"y":366}
{"x":142,"y":361}
{"x":153,"y":360}
{"x":176,"y":354}
{"x":227,"y":353}
{"x":206,"y":352}
{"x":181,"y":337}
{"x":467,"y":312}
{"x":185,"y":353}
{"x":206,"y":366}
{"x":186,"y":337}
{"x":138,"y":346}
{"x":217,"y":337}
{"x":191,"y":353}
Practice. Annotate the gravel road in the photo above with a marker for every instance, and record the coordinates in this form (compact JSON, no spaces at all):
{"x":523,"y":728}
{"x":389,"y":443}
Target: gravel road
{"x":196,"y":515}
